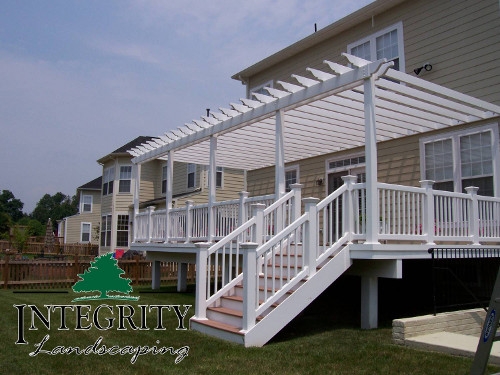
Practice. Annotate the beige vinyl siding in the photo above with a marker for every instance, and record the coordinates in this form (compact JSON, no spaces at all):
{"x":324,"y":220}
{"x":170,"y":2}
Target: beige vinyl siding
{"x":148,"y":180}
{"x":459,"y":38}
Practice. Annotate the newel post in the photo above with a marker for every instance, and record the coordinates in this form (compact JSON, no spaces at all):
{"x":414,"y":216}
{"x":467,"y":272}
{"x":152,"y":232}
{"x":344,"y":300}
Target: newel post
{"x":242,"y":214}
{"x":474,"y":214}
{"x":200,"y":309}
{"x":189,"y":221}
{"x":348,"y":209}
{"x":258,"y":233}
{"x":150,"y":222}
{"x":250,"y":286}
{"x":311,"y":230}
{"x":428,"y":224}
{"x":297,"y":202}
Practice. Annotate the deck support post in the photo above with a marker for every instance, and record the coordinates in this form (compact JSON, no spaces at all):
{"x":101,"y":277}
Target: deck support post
{"x":369,"y":302}
{"x":200,"y":309}
{"x":168,"y":193}
{"x":155,"y":274}
{"x":212,"y":182}
{"x":372,"y":208}
{"x":182,"y":277}
{"x":250,"y":287}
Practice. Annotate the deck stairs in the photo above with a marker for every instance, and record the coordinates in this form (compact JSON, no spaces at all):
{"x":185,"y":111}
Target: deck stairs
{"x":224,"y":320}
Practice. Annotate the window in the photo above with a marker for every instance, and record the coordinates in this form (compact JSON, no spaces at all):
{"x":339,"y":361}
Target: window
{"x":85,"y":232}
{"x":164,"y":180}
{"x":122,"y":231}
{"x":219,"y":175}
{"x":107,"y":181}
{"x":460,"y":160}
{"x":106,"y":230}
{"x":191,"y":175}
{"x":387,"y":43}
{"x":125,"y":179}
{"x":291,"y":176}
{"x":86,"y":203}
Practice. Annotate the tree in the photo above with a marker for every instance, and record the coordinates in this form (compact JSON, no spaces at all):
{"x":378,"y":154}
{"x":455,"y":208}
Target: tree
{"x":10,"y":205}
{"x":55,"y":207}
{"x":103,"y":276}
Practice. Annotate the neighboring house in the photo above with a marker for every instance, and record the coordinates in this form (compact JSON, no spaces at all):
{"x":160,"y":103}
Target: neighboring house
{"x":388,"y":118}
{"x":84,"y":226}
{"x":119,"y":186}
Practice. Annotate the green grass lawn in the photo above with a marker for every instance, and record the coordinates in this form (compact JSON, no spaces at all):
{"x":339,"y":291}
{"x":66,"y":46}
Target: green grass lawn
{"x":314,"y":343}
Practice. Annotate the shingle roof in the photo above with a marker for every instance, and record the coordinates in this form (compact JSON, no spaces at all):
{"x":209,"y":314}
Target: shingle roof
{"x":95,"y":184}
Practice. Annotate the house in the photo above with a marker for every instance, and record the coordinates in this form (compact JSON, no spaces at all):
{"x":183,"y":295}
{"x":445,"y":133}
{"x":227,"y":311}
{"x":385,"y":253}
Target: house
{"x":387,"y":121}
{"x":119,"y":184}
{"x":84,"y":226}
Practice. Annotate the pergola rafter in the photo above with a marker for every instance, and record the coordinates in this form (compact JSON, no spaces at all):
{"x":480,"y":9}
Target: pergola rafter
{"x":321,"y":115}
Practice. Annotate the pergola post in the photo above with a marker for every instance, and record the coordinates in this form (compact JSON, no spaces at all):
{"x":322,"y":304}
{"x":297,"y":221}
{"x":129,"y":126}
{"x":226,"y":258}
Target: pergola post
{"x":279,"y":155}
{"x":372,"y":208}
{"x":136,"y":172}
{"x":168,"y":193}
{"x":212,"y":187}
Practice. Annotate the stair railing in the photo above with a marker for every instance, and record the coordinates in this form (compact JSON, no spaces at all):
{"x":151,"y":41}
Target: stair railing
{"x":219,"y":264}
{"x":282,"y":270}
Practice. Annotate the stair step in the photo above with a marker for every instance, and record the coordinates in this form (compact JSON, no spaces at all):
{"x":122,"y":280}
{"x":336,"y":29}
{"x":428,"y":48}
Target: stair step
{"x":240,"y":299}
{"x":219,"y":325}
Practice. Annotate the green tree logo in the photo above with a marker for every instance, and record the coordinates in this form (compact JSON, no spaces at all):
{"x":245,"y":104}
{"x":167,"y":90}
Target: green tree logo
{"x":103,"y":276}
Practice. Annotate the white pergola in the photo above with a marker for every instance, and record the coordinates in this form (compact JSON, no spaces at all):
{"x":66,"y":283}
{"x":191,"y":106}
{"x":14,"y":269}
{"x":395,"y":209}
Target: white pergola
{"x":340,"y":108}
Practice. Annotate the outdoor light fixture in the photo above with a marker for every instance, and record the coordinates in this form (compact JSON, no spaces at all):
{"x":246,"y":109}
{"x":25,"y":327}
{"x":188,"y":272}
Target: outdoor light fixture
{"x":426,"y":66}
{"x":319,"y":182}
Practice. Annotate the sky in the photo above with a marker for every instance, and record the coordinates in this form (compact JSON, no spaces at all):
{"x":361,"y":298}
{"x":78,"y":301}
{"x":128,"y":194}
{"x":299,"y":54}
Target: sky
{"x":81,"y":78}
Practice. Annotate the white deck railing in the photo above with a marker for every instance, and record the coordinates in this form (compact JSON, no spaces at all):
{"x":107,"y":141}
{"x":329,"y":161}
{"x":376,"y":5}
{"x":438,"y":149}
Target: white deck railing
{"x":191,"y":222}
{"x":404,"y":214}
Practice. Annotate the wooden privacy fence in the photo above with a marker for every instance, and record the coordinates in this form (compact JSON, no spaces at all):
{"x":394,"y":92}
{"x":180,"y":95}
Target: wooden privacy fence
{"x":57,"y":249}
{"x":46,"y":274}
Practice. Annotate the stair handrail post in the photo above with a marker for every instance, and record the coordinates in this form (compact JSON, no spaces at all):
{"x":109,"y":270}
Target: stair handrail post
{"x":242,"y":214}
{"x":297,"y":202}
{"x":474,"y":214}
{"x":189,"y":220}
{"x":310,"y":235}
{"x":258,"y":233}
{"x":250,"y":284}
{"x":428,"y":225}
{"x":150,"y":222}
{"x":348,"y":209}
{"x":202,"y":283}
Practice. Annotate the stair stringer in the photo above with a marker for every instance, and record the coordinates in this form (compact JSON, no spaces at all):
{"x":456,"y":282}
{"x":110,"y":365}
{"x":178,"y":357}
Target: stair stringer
{"x":283,"y":314}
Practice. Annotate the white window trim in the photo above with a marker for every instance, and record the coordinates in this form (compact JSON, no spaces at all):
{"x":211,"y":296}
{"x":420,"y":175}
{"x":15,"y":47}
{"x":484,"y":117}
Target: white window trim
{"x":187,"y":176}
{"x":125,"y":179}
{"x":115,"y":229}
{"x":296,"y":168}
{"x":90,"y":232}
{"x":457,"y":171}
{"x":219,"y":170}
{"x":344,"y":168}
{"x":399,"y":27}
{"x":82,"y":203}
{"x":163,"y":167}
